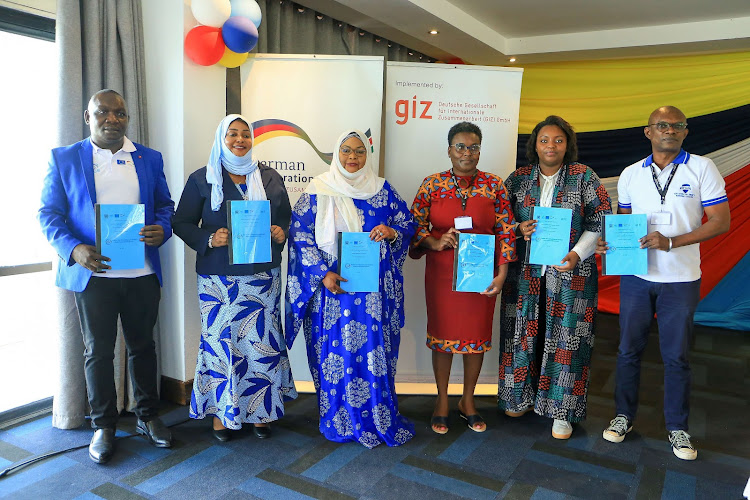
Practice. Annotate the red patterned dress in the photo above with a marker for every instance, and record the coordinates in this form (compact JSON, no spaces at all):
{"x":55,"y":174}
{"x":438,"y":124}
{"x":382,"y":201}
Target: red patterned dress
{"x":460,"y":322}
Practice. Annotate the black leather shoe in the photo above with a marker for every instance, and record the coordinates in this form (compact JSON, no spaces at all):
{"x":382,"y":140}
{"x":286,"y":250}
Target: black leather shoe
{"x":102,"y":445}
{"x":156,"y":432}
{"x":262,"y":432}
{"x":223,"y":435}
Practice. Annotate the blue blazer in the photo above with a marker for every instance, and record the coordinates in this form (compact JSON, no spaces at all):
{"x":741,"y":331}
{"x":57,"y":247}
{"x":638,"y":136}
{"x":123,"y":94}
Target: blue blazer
{"x":68,"y":198}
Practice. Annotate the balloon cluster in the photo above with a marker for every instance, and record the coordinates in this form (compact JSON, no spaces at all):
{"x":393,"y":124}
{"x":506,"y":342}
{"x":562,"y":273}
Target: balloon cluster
{"x":227,"y":33}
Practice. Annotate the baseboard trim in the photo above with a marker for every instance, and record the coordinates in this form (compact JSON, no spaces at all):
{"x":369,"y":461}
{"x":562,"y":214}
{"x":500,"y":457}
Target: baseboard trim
{"x":176,"y":391}
{"x":414,"y":388}
{"x":26,"y":412}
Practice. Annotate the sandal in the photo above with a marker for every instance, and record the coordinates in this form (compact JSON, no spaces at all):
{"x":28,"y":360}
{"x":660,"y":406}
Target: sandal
{"x":473,"y":420}
{"x":439,"y":421}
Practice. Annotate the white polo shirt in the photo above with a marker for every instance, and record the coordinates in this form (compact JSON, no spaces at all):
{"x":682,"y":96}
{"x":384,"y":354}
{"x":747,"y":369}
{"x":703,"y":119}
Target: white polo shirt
{"x":116,"y":182}
{"x":697,"y":183}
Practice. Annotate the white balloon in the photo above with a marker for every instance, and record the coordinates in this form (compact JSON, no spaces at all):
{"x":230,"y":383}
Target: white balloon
{"x":211,"y":12}
{"x":249,"y":9}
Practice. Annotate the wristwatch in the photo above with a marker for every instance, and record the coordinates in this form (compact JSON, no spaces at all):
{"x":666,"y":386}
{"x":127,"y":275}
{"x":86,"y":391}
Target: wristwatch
{"x":211,"y":240}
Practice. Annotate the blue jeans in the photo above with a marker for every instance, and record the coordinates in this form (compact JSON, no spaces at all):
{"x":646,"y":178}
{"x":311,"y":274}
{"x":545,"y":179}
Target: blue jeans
{"x":674,"y":305}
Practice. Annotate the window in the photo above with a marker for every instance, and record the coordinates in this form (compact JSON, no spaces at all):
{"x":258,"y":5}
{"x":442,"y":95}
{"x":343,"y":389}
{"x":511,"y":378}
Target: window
{"x":28,"y":126}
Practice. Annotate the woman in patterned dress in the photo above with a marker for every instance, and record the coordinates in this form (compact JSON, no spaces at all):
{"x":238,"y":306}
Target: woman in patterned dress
{"x":242,"y":375}
{"x":352,"y":338}
{"x":548,"y":311}
{"x":460,"y":322}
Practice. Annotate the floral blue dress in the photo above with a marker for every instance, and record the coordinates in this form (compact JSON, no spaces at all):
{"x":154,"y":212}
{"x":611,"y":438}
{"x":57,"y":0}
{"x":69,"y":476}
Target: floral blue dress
{"x":353,"y":338}
{"x":242,"y":374}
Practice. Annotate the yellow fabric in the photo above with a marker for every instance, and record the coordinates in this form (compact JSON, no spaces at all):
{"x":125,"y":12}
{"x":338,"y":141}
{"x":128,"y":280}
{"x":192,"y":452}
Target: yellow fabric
{"x":621,"y":93}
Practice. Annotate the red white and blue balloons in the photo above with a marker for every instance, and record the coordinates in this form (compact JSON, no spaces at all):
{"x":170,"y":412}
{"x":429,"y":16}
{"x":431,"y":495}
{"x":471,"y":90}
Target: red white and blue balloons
{"x":211,"y":12}
{"x":203,"y":44}
{"x":247,"y":8}
{"x":239,"y":34}
{"x":228,"y":31}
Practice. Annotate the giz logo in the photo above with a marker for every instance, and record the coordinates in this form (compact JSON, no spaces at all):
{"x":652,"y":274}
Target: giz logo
{"x":402,"y":110}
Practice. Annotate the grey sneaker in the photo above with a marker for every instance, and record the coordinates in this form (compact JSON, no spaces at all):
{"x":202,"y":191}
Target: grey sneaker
{"x":618,"y":427}
{"x":681,"y":445}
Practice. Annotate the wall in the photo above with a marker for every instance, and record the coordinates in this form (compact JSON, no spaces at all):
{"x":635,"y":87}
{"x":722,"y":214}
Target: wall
{"x":185,"y":103}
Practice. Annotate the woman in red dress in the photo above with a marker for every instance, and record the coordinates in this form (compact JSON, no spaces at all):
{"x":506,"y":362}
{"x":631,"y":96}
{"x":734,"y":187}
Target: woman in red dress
{"x":460,"y":322}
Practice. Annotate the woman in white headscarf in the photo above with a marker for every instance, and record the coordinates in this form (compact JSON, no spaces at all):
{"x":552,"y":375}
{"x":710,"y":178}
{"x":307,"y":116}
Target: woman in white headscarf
{"x":242,"y":375}
{"x":352,"y":338}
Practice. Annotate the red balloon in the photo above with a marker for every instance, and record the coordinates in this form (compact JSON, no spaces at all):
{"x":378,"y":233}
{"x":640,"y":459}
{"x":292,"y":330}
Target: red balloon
{"x":204,"y":45}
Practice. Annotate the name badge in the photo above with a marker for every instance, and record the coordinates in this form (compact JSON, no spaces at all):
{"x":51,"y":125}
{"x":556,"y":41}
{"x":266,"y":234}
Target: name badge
{"x":661,"y":218}
{"x":121,"y":162}
{"x":463,"y":222}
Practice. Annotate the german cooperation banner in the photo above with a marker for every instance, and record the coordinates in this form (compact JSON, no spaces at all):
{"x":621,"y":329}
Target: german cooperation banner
{"x":299,"y":106}
{"x":422,"y":102}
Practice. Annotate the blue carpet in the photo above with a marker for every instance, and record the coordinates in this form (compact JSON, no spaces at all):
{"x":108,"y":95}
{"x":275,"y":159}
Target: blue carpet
{"x":514,"y":458}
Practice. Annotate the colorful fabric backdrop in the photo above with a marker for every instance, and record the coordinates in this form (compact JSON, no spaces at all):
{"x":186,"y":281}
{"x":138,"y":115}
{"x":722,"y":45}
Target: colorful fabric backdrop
{"x":608,"y":103}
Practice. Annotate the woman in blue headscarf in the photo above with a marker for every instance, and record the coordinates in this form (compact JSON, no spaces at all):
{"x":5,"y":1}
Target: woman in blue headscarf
{"x":242,"y":374}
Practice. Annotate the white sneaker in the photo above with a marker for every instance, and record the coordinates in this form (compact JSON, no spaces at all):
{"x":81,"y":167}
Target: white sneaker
{"x":681,"y":445}
{"x":561,"y":429}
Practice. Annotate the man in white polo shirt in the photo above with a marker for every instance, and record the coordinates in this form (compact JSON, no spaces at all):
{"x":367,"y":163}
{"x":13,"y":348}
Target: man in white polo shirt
{"x":108,"y":168}
{"x":675,"y":189}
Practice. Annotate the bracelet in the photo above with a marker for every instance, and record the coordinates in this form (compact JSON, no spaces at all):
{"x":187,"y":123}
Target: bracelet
{"x":211,"y":240}
{"x":670,"y":244}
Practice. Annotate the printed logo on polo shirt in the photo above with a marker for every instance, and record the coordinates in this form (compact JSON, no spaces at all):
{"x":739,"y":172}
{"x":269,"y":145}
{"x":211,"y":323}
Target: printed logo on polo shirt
{"x":685,"y":191}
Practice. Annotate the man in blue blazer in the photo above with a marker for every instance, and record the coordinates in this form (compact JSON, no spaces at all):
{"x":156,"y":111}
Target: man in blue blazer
{"x":108,"y":168}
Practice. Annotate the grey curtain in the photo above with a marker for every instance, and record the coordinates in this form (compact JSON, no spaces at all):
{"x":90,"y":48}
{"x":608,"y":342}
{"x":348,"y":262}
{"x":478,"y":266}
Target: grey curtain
{"x":288,"y":28}
{"x":100,"y":45}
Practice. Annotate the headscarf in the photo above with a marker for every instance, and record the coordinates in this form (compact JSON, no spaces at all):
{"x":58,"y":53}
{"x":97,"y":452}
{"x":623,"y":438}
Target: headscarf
{"x":246,"y":165}
{"x":335,"y":190}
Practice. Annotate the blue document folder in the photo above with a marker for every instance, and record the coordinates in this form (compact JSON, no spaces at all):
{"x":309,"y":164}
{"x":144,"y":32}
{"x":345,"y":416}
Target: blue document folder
{"x":359,"y":262}
{"x":117,"y":228}
{"x":551,"y":240}
{"x":249,"y":224}
{"x":622,"y":233}
{"x":473,"y":262}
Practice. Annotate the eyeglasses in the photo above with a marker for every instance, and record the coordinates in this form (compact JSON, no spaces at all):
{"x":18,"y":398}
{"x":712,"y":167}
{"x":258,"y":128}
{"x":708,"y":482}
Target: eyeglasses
{"x":461,"y":147}
{"x":664,"y":126}
{"x":347,"y":151}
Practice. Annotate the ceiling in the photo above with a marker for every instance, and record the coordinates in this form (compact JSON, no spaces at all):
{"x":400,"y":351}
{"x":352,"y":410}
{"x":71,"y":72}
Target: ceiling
{"x":491,"y":31}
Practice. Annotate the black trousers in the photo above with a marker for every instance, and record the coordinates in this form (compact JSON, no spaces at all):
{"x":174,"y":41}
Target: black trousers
{"x":136,"y":302}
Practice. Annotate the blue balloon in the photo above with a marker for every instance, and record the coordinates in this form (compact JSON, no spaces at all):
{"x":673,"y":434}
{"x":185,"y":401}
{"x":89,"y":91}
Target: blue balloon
{"x":247,"y":8}
{"x":239,"y":34}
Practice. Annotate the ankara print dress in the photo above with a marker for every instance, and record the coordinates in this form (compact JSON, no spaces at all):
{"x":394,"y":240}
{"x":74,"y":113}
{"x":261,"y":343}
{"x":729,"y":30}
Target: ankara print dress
{"x":352,"y":338}
{"x":459,"y":322}
{"x":243,"y":373}
{"x":557,"y":387}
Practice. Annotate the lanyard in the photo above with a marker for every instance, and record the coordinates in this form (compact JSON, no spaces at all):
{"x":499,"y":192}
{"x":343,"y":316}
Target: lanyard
{"x":463,"y":196}
{"x":243,"y":192}
{"x":663,"y":192}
